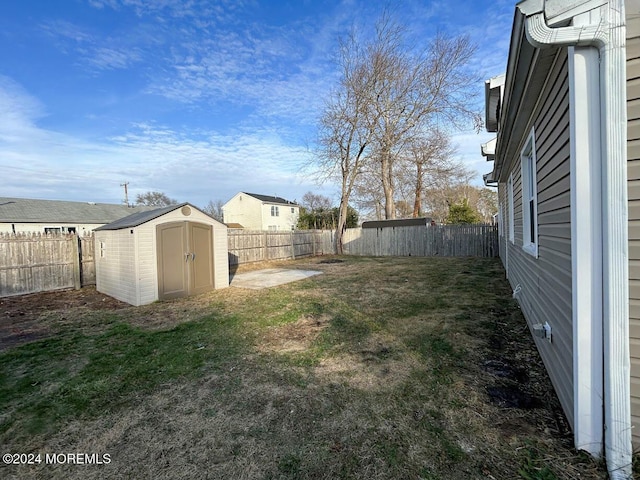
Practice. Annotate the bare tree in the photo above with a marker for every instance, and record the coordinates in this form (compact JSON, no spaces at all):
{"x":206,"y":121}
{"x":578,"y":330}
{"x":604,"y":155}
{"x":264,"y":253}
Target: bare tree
{"x":214,"y":209}
{"x":368,"y":195}
{"x":428,"y":155}
{"x":407,"y":92}
{"x":154,"y":199}
{"x":344,"y":137}
{"x":314,"y":201}
{"x":444,"y":186}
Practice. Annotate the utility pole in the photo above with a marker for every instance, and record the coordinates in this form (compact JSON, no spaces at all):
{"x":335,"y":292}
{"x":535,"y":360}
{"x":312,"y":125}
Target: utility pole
{"x":126,"y":193}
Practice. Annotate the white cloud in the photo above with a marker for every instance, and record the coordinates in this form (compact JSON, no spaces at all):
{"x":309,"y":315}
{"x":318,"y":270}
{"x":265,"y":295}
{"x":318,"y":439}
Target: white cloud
{"x":190,"y":166}
{"x":18,"y":111}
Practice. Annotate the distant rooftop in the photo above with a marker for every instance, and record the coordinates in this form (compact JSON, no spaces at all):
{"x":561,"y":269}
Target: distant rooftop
{"x":400,"y":222}
{"x":270,"y":199}
{"x":27,"y":210}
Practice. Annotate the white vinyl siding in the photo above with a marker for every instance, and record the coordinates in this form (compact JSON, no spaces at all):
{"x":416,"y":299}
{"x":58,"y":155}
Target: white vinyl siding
{"x":245,"y":210}
{"x":254,"y":214}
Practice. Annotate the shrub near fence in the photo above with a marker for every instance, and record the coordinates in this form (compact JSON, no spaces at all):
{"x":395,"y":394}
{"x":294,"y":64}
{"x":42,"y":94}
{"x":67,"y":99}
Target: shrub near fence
{"x":32,"y":263}
{"x":423,"y":241}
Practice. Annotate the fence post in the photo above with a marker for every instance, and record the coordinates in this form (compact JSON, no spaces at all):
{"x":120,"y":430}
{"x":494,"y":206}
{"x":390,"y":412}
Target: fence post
{"x":264,"y":246}
{"x":293,"y":247}
{"x":75,"y":253}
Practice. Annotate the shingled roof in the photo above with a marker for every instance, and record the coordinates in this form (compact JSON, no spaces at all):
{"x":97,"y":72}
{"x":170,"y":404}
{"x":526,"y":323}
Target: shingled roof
{"x":26,"y":210}
{"x":269,"y":199}
{"x":139,"y":218}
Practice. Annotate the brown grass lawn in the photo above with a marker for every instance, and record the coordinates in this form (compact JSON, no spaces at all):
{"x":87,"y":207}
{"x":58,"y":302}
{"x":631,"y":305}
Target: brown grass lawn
{"x":388,"y":368}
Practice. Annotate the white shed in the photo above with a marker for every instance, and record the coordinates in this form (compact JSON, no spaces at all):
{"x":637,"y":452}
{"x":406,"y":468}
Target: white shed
{"x":161,"y":254}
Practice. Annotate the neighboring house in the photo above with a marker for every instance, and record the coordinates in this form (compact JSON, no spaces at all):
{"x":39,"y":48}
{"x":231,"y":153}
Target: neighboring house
{"x":21,"y":215}
{"x":261,"y":212}
{"x":567,"y":166}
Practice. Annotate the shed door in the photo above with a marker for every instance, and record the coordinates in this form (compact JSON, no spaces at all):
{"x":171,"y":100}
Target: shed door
{"x":185,"y":259}
{"x":201,"y":261}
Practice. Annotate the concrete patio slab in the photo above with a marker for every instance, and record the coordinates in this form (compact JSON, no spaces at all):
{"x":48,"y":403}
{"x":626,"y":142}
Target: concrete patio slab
{"x":269,"y":277}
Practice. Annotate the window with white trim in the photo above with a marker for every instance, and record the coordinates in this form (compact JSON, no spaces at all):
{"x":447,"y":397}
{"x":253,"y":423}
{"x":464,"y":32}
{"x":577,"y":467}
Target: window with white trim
{"x":275,"y":211}
{"x":529,"y":197}
{"x":510,"y":208}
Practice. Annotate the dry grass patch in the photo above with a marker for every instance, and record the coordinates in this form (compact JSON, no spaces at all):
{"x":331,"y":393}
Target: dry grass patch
{"x":379,"y":369}
{"x":293,"y":337}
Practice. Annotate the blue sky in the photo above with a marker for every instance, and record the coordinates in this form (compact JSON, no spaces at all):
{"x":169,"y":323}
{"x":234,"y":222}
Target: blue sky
{"x":197,"y":99}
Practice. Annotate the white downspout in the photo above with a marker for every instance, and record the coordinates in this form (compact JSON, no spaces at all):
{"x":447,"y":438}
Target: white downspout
{"x":586,"y":248}
{"x":609,"y":37}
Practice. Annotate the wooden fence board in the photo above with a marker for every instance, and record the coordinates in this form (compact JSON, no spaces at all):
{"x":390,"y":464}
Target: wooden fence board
{"x":246,"y":246}
{"x":35,"y":262}
{"x":418,"y":240}
{"x":32,"y":263}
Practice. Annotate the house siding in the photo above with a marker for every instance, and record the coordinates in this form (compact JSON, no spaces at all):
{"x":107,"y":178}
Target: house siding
{"x":17,"y":227}
{"x":545,"y":282}
{"x":255,"y":214}
{"x":285,"y":219}
{"x":633,"y":172}
{"x":245,"y":210}
{"x":504,"y":210}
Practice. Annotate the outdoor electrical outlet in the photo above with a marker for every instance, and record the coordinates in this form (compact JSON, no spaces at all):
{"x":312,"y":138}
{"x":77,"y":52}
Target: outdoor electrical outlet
{"x":542,"y":331}
{"x":547,"y":331}
{"x":538,"y":330}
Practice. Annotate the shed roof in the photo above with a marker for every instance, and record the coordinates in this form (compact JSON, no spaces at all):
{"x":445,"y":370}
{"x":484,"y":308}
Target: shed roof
{"x":27,"y":210}
{"x":143,"y":217}
{"x":400,"y":222}
{"x":269,"y":199}
{"x":139,"y":218}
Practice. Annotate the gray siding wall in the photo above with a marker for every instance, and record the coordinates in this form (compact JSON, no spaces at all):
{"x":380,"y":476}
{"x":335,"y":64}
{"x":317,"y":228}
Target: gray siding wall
{"x":633,"y":157}
{"x":545,"y":282}
{"x":504,"y":218}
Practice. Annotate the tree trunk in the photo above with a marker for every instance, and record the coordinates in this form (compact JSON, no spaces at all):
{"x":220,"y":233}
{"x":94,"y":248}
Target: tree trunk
{"x":417,"y":204}
{"x":387,"y":185}
{"x":342,"y":222}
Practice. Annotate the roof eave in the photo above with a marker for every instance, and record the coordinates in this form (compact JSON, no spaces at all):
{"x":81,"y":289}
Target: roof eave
{"x":527,"y":71}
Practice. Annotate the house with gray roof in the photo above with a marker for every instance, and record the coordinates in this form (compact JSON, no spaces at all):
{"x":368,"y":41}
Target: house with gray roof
{"x":23,"y":215}
{"x":261,"y":212}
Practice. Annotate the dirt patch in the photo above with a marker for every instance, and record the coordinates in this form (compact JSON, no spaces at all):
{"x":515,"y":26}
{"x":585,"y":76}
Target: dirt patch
{"x":26,"y":318}
{"x":294,"y":337}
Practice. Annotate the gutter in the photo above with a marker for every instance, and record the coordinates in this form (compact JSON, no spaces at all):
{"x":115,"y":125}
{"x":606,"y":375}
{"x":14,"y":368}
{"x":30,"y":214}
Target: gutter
{"x":608,"y":36}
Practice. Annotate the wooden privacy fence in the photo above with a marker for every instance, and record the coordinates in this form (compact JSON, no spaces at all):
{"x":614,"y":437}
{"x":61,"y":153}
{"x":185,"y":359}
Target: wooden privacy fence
{"x":255,"y":246}
{"x":423,"y":241}
{"x":32,"y":263}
